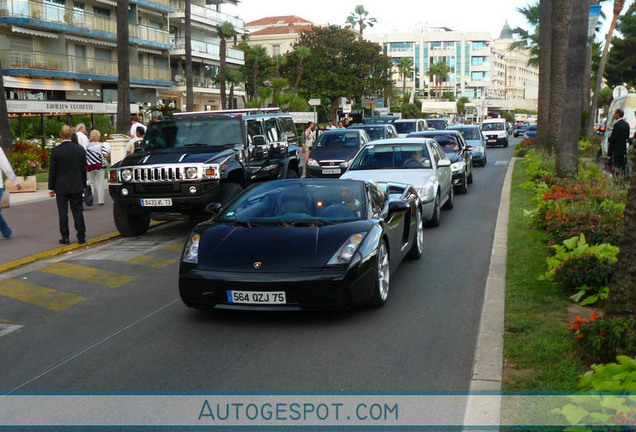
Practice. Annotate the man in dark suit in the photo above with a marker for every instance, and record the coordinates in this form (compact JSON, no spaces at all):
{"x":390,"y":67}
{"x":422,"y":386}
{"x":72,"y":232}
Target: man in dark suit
{"x":67,"y":180}
{"x":617,"y":142}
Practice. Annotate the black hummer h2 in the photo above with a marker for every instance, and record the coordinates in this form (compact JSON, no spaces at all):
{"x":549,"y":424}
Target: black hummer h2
{"x":194,"y":159}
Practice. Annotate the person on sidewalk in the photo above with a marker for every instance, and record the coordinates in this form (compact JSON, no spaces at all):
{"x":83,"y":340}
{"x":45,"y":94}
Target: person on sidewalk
{"x":134,"y":125}
{"x":82,"y":135}
{"x":67,"y":180}
{"x":5,"y":167}
{"x":96,"y":164}
{"x":617,"y":143}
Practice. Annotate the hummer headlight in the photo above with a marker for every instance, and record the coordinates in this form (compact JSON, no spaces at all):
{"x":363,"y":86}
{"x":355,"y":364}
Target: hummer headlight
{"x":191,"y":173}
{"x":126,"y":175}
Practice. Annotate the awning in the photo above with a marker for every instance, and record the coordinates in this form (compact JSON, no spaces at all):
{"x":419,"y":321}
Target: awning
{"x":149,"y":51}
{"x":107,"y":2}
{"x":90,"y":41}
{"x":33,"y":32}
{"x":40,"y":84}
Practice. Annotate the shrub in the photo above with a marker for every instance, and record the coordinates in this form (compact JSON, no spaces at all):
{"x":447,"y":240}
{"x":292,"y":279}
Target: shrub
{"x":602,"y":339}
{"x":582,"y":267}
{"x":522,"y":148}
{"x":27,"y":159}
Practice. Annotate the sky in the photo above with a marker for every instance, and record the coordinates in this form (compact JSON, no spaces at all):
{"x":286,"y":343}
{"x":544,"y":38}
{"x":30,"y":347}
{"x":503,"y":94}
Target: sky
{"x":465,"y":15}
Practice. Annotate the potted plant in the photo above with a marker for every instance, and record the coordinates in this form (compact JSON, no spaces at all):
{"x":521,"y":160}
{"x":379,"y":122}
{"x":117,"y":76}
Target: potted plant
{"x":26,"y":160}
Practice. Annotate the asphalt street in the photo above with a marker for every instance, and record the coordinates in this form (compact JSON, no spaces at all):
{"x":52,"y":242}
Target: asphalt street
{"x":109,"y":318}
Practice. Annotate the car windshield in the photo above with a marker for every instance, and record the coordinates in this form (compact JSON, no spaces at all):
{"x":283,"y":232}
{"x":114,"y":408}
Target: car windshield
{"x":216,"y":132}
{"x":492,"y":126}
{"x":469,"y":133}
{"x":338,"y":140}
{"x":398,"y":156}
{"x":532,"y":127}
{"x":448,"y":143}
{"x":375,"y":132}
{"x":378,"y":120}
{"x":404,"y":127}
{"x":298,"y":203}
{"x":438,"y":124}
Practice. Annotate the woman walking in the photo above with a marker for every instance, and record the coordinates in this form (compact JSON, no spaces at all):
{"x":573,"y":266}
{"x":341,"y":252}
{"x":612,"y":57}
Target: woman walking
{"x":96,"y":153}
{"x":5,"y":167}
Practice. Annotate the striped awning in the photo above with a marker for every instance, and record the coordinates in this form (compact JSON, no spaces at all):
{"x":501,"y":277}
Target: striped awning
{"x":90,"y":41}
{"x":107,"y":2}
{"x":33,"y":32}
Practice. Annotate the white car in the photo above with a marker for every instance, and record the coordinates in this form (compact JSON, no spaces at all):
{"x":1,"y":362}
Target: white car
{"x":407,"y":126}
{"x":416,"y":161}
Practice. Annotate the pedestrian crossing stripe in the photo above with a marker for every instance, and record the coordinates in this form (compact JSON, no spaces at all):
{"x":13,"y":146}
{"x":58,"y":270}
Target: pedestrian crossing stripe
{"x":5,"y":329}
{"x":174,"y":247}
{"x":149,"y":261}
{"x":88,"y":274}
{"x":38,"y":295}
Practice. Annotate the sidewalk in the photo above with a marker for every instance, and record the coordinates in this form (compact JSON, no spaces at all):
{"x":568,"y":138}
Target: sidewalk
{"x":33,"y":218}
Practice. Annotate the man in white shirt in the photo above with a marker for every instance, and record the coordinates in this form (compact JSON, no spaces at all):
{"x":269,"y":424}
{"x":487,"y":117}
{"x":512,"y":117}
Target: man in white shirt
{"x":5,"y":167}
{"x":134,"y":124}
{"x":331,"y":125}
{"x":82,"y":135}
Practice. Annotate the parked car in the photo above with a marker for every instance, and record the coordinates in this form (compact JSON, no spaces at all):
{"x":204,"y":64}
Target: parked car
{"x":388,"y":119}
{"x":531,"y":132}
{"x":520,"y":129}
{"x":495,"y":131}
{"x":437,"y":124}
{"x":378,"y":131}
{"x":302,"y":244}
{"x":334,"y":150}
{"x":407,"y":126}
{"x":454,"y":146}
{"x":416,"y":161}
{"x":475,"y":141}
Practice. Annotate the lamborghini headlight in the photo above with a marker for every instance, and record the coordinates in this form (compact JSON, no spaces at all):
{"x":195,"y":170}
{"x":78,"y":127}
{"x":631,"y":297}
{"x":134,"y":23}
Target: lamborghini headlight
{"x":347,"y":250}
{"x":191,"y":252}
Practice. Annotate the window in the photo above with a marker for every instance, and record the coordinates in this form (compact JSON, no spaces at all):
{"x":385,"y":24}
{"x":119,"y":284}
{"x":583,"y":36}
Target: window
{"x":477,"y":61}
{"x":276,"y":50}
{"x":102,"y":54}
{"x":101,"y":12}
{"x":78,"y":13}
{"x":290,"y":130}
{"x":155,"y":25}
{"x":479,"y":45}
{"x":401,"y":46}
{"x":436,"y":44}
{"x":449,"y":44}
{"x":54,"y":10}
{"x":273,"y":133}
{"x":477,"y":76}
{"x":159,"y":61}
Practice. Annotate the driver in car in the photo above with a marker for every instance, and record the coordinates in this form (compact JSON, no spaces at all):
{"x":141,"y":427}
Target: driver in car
{"x":416,"y":159}
{"x":349,"y":199}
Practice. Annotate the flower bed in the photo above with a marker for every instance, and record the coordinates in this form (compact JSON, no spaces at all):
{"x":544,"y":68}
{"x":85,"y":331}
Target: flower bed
{"x":27,"y":159}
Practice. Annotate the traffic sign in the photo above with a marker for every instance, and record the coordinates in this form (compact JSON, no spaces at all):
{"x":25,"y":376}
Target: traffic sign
{"x":315,"y":102}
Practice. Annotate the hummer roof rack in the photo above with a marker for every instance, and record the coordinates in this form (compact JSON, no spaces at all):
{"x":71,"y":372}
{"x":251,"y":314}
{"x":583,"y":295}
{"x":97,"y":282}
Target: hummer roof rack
{"x":243,"y":111}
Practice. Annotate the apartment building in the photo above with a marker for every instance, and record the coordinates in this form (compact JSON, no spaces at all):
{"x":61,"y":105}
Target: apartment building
{"x":60,"y":56}
{"x":277,"y":34}
{"x":205,"y":17}
{"x":466,"y":53}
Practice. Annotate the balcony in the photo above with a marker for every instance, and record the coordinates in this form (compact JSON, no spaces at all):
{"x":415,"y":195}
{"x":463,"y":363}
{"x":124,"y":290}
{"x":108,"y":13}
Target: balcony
{"x":64,"y":65}
{"x":77,"y":21}
{"x":199,"y":11}
{"x":207,"y":83}
{"x":164,"y":3}
{"x":208,"y":50}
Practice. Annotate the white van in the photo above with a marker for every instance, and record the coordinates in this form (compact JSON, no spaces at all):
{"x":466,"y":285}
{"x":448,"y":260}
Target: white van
{"x":407,"y":126}
{"x":495,"y":131}
{"x":627,"y":102}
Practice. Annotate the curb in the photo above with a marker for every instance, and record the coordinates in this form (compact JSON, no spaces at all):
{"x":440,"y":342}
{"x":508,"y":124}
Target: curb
{"x":488,"y":364}
{"x":12,"y":265}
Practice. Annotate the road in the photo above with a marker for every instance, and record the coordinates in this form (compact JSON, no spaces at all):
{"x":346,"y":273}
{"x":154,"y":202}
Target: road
{"x":110,"y":318}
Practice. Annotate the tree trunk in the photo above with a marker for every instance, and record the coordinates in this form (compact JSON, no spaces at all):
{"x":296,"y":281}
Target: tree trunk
{"x":188,"y":57}
{"x":622,"y":295}
{"x":561,"y":15}
{"x":299,"y":73}
{"x":123,"y":68}
{"x":567,"y":151}
{"x":6,"y":139}
{"x":545,"y":43}
{"x":231,"y":101}
{"x":223,"y":72}
{"x":618,"y":7}
{"x":587,"y":82}
{"x":403,"y":85}
{"x":255,"y":79}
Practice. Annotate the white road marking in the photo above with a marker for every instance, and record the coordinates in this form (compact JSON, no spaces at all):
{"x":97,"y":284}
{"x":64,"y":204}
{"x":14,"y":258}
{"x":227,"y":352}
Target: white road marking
{"x":505,"y":163}
{"x":5,"y":329}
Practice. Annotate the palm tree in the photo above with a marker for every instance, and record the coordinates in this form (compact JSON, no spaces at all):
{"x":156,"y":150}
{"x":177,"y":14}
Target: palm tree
{"x":622,"y":298}
{"x":234,"y":77}
{"x":561,"y":15}
{"x":6,"y":140}
{"x":545,"y":49}
{"x":440,"y":72}
{"x":302,"y":53}
{"x":359,"y":18}
{"x":618,"y":8}
{"x":405,"y":68}
{"x":188,"y":57}
{"x":279,"y":62}
{"x":259,"y":54}
{"x":528,"y":39}
{"x":225,"y":31}
{"x":123,"y":68}
{"x":567,"y":152}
